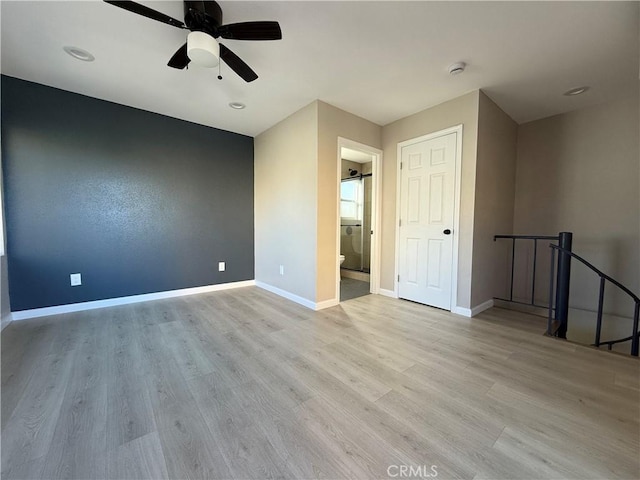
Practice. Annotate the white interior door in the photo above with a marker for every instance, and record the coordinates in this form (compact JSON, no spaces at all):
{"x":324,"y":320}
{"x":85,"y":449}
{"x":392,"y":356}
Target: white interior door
{"x":427,"y":199}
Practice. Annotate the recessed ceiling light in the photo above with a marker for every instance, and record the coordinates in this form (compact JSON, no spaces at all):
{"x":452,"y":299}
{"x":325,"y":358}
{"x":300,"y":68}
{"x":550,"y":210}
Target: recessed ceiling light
{"x":575,"y":91}
{"x":79,"y":53}
{"x":237,"y":105}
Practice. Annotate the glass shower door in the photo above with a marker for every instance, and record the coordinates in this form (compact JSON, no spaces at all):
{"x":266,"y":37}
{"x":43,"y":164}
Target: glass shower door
{"x":351,"y":223}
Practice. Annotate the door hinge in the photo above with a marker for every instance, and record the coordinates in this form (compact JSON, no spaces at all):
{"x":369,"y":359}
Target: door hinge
{"x":399,"y":222}
{"x":398,"y":277}
{"x":400,"y":165}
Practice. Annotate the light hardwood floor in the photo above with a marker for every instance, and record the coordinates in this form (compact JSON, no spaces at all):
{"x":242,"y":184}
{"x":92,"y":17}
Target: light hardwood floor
{"x":244,"y":384}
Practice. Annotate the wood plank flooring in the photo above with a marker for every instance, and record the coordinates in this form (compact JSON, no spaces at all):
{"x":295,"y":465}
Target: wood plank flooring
{"x":244,"y":384}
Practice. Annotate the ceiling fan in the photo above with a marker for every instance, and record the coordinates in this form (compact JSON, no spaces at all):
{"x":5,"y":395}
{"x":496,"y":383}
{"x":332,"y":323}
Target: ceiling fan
{"x":204,"y":19}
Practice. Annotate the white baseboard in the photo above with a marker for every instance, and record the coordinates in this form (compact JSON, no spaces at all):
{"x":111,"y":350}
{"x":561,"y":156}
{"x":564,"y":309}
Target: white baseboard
{"x":362,"y":276}
{"x":296,"y":298}
{"x":112,"y":302}
{"x":465,"y":312}
{"x":482,"y":307}
{"x":387,"y":293}
{"x":288,"y":295}
{"x":327,"y":303}
{"x":6,"y":320}
{"x":472,"y":312}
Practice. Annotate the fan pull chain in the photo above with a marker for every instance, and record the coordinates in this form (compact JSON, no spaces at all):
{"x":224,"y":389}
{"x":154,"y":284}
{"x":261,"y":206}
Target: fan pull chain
{"x":219,"y":76}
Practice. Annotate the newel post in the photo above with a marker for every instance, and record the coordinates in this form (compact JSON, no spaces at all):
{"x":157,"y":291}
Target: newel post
{"x":562,"y":284}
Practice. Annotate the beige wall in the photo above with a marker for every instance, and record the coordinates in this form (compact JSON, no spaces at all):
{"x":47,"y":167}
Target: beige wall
{"x":585,"y":162}
{"x":494,"y":203}
{"x":462,"y":110}
{"x":580,"y":172}
{"x":334,"y":123}
{"x":5,"y":306}
{"x":296,"y":198}
{"x":360,"y":167}
{"x":285,"y":167}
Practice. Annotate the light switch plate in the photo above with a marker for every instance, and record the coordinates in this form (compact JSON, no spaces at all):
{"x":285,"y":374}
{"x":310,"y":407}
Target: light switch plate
{"x":76,"y":279}
{"x":221,"y":266}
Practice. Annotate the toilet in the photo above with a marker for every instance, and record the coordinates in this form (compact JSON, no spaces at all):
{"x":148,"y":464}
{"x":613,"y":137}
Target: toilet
{"x":341,"y":259}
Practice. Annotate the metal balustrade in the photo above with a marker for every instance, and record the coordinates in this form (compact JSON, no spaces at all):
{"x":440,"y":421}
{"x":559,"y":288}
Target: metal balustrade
{"x":559,"y":280}
{"x":522,"y":239}
{"x":635,"y":334}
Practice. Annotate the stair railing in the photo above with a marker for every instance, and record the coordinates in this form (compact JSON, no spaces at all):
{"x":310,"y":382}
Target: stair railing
{"x":635,"y":333}
{"x":522,"y":239}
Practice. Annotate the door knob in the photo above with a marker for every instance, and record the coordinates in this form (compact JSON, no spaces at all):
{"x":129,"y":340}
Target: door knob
{"x":447,"y":231}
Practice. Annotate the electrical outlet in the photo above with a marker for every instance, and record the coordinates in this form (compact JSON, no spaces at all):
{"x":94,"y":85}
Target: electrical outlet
{"x":76,"y":279}
{"x":281,"y":269}
{"x":221,"y":266}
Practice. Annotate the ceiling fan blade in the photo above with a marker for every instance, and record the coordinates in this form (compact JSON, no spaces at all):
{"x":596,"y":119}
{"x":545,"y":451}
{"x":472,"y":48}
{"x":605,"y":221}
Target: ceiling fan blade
{"x":251,"y":31}
{"x":147,"y":12}
{"x":237,"y":64}
{"x":180,"y":59}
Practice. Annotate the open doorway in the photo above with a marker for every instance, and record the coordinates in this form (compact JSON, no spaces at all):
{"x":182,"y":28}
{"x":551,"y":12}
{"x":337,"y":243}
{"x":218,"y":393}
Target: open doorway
{"x":358,"y":217}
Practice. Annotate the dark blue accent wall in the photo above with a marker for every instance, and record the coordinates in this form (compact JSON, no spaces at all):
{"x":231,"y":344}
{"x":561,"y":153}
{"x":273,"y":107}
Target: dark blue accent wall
{"x":134,"y":201}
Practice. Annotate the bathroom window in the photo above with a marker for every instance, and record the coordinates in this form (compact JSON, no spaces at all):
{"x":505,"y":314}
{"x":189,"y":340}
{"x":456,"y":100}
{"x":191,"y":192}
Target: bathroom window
{"x":351,"y":200}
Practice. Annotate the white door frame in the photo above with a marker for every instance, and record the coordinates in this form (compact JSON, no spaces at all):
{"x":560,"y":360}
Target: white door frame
{"x":376,"y":214}
{"x":456,"y":206}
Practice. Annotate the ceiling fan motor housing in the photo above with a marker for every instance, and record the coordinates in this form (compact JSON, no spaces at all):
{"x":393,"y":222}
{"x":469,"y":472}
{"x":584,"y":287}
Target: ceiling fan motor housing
{"x":200,"y":14}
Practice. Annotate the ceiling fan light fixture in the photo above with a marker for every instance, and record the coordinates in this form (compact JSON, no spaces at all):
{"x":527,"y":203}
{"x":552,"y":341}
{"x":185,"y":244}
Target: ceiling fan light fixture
{"x":203,"y":49}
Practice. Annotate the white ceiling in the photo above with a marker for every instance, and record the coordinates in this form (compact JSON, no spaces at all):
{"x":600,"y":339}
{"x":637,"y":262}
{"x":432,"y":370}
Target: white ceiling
{"x":355,"y":155}
{"x":379,"y":60}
